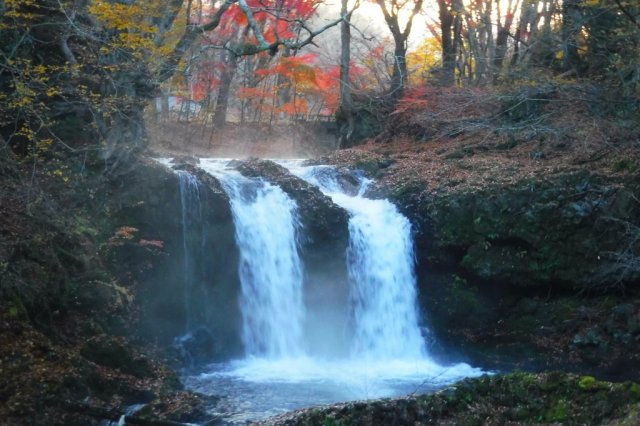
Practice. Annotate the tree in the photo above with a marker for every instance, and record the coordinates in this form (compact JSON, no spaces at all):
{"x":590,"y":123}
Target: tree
{"x":391,"y":11}
{"x":450,"y":38}
{"x":347,"y":108}
{"x":101,"y":61}
{"x":253,"y":11}
{"x":571,"y":27}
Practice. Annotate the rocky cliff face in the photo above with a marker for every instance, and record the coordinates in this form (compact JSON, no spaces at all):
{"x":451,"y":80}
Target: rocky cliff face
{"x":149,"y":201}
{"x":516,"y":273}
{"x":323,"y":222}
{"x":566,"y":232}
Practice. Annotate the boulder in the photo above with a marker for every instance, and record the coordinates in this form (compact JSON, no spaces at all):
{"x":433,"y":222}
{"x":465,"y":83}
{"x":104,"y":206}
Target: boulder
{"x":323,"y":222}
{"x":115,"y":353}
{"x":529,"y":263}
{"x":148,"y":202}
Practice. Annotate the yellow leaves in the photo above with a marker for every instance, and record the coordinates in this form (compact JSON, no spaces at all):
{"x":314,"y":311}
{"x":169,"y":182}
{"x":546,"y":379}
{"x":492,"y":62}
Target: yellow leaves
{"x":21,"y":10}
{"x":122,"y":17}
{"x":133,"y":24}
{"x":26,"y":132}
{"x":43,"y":145}
{"x":31,"y":83}
{"x":53,"y":91}
{"x":40,"y":69}
{"x":423,"y":59}
{"x":23,"y":91}
{"x":15,"y":4}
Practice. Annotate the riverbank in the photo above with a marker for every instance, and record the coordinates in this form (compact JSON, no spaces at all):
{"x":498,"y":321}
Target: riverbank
{"x":520,"y":398}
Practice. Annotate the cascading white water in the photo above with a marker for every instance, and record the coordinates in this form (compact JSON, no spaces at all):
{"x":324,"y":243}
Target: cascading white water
{"x":382,"y":282}
{"x":270,"y":268}
{"x":190,"y":203}
{"x":381,"y":269}
{"x":388,"y":355}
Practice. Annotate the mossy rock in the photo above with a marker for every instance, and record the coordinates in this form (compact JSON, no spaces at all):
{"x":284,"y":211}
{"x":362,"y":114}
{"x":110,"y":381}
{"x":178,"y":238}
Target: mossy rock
{"x":182,"y":407}
{"x":114,"y":353}
{"x":564,"y":231}
{"x":518,"y":398}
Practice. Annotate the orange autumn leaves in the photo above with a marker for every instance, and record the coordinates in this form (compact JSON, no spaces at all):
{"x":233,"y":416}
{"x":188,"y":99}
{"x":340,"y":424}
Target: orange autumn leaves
{"x":311,"y":88}
{"x":307,"y":83}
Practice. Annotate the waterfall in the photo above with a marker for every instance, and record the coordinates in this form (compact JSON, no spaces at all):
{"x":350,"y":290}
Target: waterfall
{"x":191,"y":218}
{"x":381,"y":265}
{"x":270,"y":268}
{"x":381,"y":269}
{"x":286,"y":330}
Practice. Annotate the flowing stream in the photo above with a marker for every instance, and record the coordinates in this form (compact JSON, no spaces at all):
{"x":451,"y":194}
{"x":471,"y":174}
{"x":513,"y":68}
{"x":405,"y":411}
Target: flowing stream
{"x":281,"y":370}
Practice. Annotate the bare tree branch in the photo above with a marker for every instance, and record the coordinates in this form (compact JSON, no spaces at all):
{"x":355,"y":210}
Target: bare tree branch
{"x":253,"y":24}
{"x":169,"y":65}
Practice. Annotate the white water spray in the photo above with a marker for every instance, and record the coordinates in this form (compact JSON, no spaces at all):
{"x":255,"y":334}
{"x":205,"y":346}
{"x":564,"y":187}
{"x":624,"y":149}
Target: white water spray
{"x":270,"y":268}
{"x":383,"y":290}
{"x":381,"y":269}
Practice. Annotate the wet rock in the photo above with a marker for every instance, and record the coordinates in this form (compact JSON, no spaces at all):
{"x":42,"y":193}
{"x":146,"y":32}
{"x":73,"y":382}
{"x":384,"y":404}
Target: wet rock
{"x":185,"y":159}
{"x":114,"y":353}
{"x":324,"y":223}
{"x":183,"y":407}
{"x":519,"y":398}
{"x":591,"y":337}
{"x":150,"y":202}
{"x":196,"y":347}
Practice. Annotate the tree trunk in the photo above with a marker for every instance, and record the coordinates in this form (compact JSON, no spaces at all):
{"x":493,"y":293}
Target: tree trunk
{"x":222,"y":102}
{"x":390,"y":9}
{"x":346,"y":111}
{"x":449,"y":27}
{"x":399,"y":75}
{"x":571,"y":25}
{"x":284,"y":87}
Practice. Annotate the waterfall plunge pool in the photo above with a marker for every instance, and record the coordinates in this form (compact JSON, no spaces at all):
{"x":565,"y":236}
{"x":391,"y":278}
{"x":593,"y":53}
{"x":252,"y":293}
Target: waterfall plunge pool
{"x":385,"y":353}
{"x":256,"y":388}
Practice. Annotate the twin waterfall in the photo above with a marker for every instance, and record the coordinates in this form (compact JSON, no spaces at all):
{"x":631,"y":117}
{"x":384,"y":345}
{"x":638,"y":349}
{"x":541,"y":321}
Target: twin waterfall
{"x":318,"y":326}
{"x":380,"y":262}
{"x":323,"y":325}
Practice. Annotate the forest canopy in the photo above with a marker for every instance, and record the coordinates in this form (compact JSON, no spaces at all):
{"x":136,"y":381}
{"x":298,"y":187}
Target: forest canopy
{"x":95,"y":65}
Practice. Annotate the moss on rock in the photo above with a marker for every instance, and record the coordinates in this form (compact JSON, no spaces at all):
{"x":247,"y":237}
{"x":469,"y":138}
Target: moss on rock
{"x":518,"y":399}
